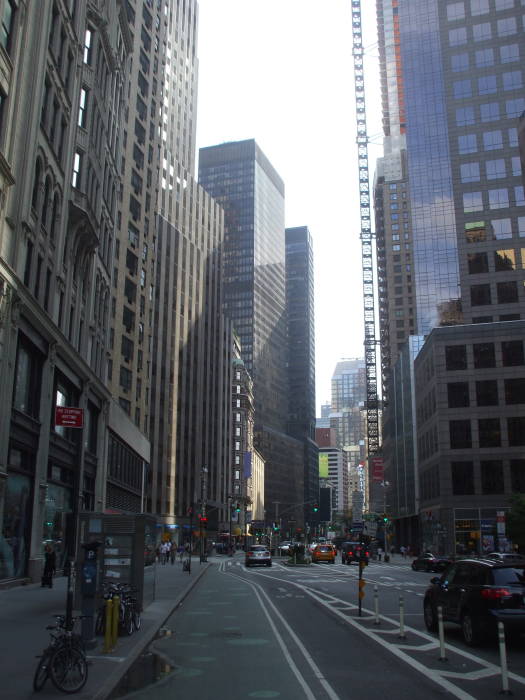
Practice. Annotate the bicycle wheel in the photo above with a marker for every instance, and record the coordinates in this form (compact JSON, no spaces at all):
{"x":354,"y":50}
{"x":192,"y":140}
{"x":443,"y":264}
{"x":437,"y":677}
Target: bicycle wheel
{"x":128,"y":621}
{"x":100,"y":622}
{"x":42,"y":672}
{"x":136,"y":617}
{"x":68,"y":669}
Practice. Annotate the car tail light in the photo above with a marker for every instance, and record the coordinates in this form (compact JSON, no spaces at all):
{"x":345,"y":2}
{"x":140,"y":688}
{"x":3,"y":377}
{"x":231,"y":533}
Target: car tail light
{"x":495,"y":593}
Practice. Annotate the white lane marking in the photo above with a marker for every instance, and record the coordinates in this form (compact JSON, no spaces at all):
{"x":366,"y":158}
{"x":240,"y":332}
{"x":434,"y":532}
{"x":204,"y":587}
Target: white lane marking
{"x":329,"y":600}
{"x":317,"y":672}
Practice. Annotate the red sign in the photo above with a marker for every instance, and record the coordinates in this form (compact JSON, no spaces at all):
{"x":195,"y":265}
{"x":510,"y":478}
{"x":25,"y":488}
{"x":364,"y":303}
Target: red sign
{"x":378,"y":469}
{"x":66,"y":417}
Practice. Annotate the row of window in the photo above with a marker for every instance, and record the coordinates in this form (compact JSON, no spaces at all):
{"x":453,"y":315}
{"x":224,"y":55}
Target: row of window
{"x":490,"y":140}
{"x":506,"y":293}
{"x":494,"y":169}
{"x":493,"y":199}
{"x":504,"y":261}
{"x":484,"y":355}
{"x":456,"y":10}
{"x":507,"y":26}
{"x":485,"y":58}
{"x":486,"y":392}
{"x":489,"y":432}
{"x":496,"y":229}
{"x":488,"y":85}
{"x":468,"y":478}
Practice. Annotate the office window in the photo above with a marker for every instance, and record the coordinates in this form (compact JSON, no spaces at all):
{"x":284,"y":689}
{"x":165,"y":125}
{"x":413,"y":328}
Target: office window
{"x":457,"y":37}
{"x":88,"y":47}
{"x":516,"y":431}
{"x":513,"y":137}
{"x":469,"y":172}
{"x":455,"y":357}
{"x":484,"y":58}
{"x":487,"y":85}
{"x":481,"y":32}
{"x":499,"y":199}
{"x":456,"y":11}
{"x":509,"y":53}
{"x":519,"y":196}
{"x":512,"y":353}
{"x":467,"y":143}
{"x":507,"y":292}
{"x":507,"y":26}
{"x":479,"y":7}
{"x":77,"y":170}
{"x":459,"y":62}
{"x":484,"y":355}
{"x":481,"y":319}
{"x":504,"y":260}
{"x":460,"y":434}
{"x":515,"y":390}
{"x":501,"y":228}
{"x":462,"y":89}
{"x":492,"y":140}
{"x":495,"y":169}
{"x":504,"y":4}
{"x":516,"y":166}
{"x":458,"y":395}
{"x":512,"y":80}
{"x":464,"y":115}
{"x":82,"y":108}
{"x":472,"y":201}
{"x":487,"y":392}
{"x":491,"y":476}
{"x":489,"y":112}
{"x":462,"y":478}
{"x":489,"y":431}
{"x":477,"y":263}
{"x":517,"y":475}
{"x":521,"y":226}
{"x":480,"y":294}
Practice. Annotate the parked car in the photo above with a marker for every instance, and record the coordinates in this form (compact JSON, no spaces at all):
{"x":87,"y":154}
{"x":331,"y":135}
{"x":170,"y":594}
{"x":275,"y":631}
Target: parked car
{"x":430,"y":562}
{"x":353,"y":551}
{"x":506,"y":558}
{"x":324,"y":552}
{"x":476,"y":593}
{"x":258,"y":555}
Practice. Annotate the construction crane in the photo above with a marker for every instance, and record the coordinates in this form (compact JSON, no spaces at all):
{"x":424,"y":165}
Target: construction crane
{"x":372,"y":403}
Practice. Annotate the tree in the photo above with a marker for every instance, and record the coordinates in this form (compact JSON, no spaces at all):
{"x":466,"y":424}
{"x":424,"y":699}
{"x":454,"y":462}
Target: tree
{"x":516,"y":520}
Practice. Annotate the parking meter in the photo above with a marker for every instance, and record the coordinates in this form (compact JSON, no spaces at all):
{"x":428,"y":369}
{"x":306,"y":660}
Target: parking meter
{"x":88,"y":591}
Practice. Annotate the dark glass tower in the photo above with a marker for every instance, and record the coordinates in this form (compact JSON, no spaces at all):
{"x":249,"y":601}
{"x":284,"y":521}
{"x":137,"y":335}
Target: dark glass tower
{"x":301,"y":355}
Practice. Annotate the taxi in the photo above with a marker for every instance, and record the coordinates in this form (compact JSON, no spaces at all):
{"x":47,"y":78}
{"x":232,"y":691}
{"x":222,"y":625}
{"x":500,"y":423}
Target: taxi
{"x":324,"y":552}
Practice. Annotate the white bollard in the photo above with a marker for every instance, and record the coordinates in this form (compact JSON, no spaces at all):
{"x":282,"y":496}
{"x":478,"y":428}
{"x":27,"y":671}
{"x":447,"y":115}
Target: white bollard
{"x":376,"y":605}
{"x":402,"y":634}
{"x":503,"y":660}
{"x":441,"y":631}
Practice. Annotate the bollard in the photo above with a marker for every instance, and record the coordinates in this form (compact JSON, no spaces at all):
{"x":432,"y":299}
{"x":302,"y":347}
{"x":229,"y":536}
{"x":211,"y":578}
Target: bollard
{"x":108,"y":626}
{"x":441,"y":631}
{"x":503,"y":661}
{"x":376,"y":606}
{"x":116,"y":620}
{"x":402,"y":634}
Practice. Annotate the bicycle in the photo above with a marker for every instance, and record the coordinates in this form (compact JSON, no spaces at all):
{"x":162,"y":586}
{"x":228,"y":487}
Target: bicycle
{"x":64,"y":660}
{"x":129,"y":610}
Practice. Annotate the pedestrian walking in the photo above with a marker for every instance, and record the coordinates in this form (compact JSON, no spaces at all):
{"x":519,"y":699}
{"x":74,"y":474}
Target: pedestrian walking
{"x":49,"y":566}
{"x":379,"y":553}
{"x":180,"y":551}
{"x":173,"y":552}
{"x":403,"y":551}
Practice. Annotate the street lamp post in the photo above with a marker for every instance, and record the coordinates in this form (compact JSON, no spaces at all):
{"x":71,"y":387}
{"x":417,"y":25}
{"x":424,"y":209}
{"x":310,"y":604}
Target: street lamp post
{"x":202,"y":520}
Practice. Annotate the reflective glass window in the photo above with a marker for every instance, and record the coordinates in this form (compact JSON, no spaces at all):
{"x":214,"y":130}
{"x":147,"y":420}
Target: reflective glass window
{"x":487,"y":392}
{"x":521,"y":226}
{"x":507,"y":292}
{"x":506,"y":26}
{"x":499,"y":199}
{"x":459,"y":62}
{"x":477,"y":263}
{"x":469,"y":172}
{"x":489,"y":112}
{"x":479,"y":7}
{"x":513,"y":80}
{"x":472,"y":201}
{"x":504,"y":260}
{"x":484,"y":58}
{"x":458,"y":395}
{"x":480,"y":294}
{"x":455,"y":357}
{"x":513,"y":137}
{"x":509,"y":53}
{"x":467,"y":143}
{"x":481,"y":32}
{"x":487,"y":84}
{"x":457,"y":37}
{"x":456,"y":11}
{"x":484,"y":355}
{"x":516,"y":165}
{"x":519,"y":196}
{"x":465,"y":116}
{"x":495,"y":169}
{"x":492,"y":140}
{"x":460,"y":434}
{"x":462,"y":89}
{"x":501,"y":228}
{"x":504,"y":4}
{"x":475,"y":232}
{"x":512,"y":353}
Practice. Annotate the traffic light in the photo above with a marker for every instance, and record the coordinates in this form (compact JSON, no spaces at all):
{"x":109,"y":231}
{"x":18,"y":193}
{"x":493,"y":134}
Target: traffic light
{"x":385,"y":518}
{"x":276,"y":527}
{"x":203,"y":519}
{"x":237,"y":508}
{"x":315,"y":508}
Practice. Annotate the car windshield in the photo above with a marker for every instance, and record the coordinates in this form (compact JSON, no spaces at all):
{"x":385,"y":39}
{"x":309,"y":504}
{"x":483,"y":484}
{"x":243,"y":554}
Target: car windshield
{"x":324,"y":548}
{"x":258,"y":548}
{"x":509,"y":576}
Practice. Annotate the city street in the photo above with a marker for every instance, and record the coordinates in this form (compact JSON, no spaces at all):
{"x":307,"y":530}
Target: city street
{"x":295,"y":633}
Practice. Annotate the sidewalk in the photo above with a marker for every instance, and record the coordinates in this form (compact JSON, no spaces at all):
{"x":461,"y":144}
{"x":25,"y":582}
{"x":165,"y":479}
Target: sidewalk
{"x":25,"y":611}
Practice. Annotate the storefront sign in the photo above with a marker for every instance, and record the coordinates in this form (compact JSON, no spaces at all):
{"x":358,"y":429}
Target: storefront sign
{"x":68,"y":417}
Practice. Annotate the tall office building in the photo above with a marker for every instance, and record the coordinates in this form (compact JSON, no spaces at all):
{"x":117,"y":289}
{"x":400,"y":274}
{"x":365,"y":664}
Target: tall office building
{"x":243,"y":181}
{"x":348,"y":398}
{"x":463,"y":95}
{"x":301,"y":355}
{"x":61,"y":142}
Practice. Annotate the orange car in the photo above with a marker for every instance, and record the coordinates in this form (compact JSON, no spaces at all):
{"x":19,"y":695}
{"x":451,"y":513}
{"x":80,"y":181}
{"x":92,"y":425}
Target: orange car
{"x":324,"y":552}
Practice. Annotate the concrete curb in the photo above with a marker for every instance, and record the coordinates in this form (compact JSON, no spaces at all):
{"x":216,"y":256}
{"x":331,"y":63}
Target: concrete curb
{"x":111,"y":682}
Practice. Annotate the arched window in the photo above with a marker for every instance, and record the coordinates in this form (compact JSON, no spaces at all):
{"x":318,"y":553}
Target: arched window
{"x":54,"y":215}
{"x":36,"y":184}
{"x":46,"y":202}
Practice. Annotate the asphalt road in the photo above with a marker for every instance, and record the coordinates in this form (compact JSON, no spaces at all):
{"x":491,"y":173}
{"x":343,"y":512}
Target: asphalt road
{"x":295,"y":633}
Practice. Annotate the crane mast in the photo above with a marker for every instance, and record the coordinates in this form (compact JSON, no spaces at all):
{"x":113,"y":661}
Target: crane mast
{"x":372,"y":404}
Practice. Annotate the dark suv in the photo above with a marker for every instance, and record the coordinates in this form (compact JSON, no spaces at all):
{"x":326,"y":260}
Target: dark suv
{"x":476,"y":593}
{"x":351,"y":551}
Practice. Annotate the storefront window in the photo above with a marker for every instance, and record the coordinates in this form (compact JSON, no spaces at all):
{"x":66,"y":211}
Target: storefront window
{"x":16,"y":527}
{"x":58,"y":508}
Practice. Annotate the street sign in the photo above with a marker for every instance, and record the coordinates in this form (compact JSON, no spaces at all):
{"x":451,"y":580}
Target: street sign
{"x":68,"y":417}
